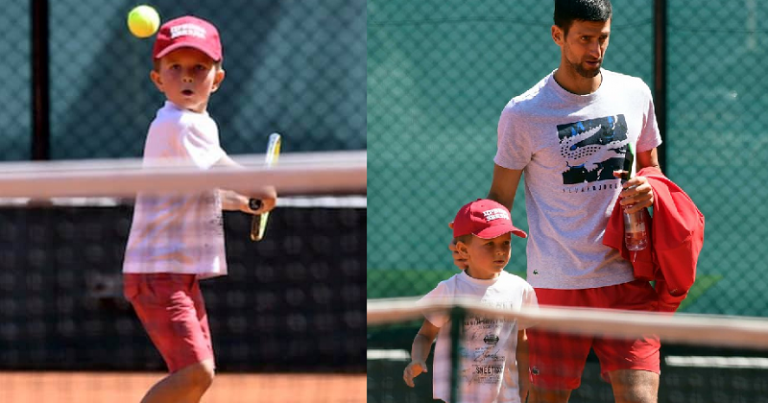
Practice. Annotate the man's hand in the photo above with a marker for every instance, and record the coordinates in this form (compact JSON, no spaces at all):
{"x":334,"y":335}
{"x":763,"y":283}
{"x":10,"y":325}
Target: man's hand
{"x":414,"y":369}
{"x":459,"y":261}
{"x":637,"y":193}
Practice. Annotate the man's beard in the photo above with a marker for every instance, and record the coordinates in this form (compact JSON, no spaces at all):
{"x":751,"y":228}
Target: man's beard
{"x":584,"y":72}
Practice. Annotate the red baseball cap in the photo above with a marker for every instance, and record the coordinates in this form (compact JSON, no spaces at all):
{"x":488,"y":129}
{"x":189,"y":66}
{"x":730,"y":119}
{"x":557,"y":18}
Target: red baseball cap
{"x":485,"y":219}
{"x":188,"y":32}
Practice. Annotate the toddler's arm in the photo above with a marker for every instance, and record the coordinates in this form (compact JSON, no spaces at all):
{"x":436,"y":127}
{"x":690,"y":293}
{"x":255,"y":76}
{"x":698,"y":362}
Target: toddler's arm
{"x":422,"y":343}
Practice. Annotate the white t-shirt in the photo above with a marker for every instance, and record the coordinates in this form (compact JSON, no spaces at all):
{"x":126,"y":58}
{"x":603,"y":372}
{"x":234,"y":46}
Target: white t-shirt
{"x":179,"y":233}
{"x":568,"y":146}
{"x":489,"y":366}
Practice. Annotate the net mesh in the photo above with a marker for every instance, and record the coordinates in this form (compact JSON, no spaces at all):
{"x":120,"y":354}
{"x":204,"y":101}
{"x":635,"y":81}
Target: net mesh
{"x":286,"y":322}
{"x":704,"y":358}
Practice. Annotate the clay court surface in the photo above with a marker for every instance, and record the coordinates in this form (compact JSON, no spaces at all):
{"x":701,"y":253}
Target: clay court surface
{"x":84,"y":387}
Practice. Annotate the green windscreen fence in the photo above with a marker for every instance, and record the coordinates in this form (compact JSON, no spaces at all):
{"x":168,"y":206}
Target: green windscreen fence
{"x":16,"y":70}
{"x":294,"y":67}
{"x":440,"y":72}
{"x":716,"y":147}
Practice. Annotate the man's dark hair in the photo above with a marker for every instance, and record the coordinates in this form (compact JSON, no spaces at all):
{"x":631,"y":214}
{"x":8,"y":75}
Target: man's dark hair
{"x":568,"y":11}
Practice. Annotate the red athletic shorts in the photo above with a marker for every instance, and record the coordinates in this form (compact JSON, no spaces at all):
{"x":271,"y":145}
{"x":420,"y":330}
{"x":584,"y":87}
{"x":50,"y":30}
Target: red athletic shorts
{"x":557,"y":359}
{"x":172,"y":310}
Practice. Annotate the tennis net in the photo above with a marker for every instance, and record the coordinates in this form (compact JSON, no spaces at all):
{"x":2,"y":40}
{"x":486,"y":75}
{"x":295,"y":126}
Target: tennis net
{"x":704,"y":358}
{"x":286,"y":322}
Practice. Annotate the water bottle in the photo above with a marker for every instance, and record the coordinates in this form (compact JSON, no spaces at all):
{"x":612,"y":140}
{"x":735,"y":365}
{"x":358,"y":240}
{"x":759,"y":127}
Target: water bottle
{"x":635,"y":235}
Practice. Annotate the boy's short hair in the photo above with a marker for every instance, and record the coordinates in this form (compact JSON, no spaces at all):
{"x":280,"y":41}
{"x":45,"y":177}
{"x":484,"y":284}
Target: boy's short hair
{"x":568,"y":11}
{"x":485,"y":219}
{"x":467,"y":238}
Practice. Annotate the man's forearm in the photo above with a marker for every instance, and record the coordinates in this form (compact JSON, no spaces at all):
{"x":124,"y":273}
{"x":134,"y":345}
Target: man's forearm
{"x":648,"y":159}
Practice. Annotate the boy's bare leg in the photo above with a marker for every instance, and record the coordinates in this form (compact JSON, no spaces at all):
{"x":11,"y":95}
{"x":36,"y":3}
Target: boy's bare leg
{"x":634,"y":386}
{"x":538,"y":395}
{"x":184,"y":386}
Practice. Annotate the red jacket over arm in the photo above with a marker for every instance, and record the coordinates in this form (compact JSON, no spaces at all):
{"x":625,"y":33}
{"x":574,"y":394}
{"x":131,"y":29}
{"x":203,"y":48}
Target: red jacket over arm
{"x":676,"y":236}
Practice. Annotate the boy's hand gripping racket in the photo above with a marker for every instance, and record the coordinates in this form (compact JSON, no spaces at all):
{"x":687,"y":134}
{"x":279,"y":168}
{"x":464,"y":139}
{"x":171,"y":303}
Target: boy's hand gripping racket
{"x":259,"y":222}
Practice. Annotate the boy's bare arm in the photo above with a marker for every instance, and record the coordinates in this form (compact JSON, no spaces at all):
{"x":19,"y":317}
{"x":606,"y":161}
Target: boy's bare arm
{"x":233,"y":201}
{"x":422,"y":343}
{"x":522,"y":364}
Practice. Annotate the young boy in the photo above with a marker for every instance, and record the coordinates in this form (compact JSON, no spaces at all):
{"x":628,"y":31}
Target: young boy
{"x":494,"y":367}
{"x":177,"y":239}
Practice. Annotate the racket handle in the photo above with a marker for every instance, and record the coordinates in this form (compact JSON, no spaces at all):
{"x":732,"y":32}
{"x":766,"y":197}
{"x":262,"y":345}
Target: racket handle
{"x":256,"y":228}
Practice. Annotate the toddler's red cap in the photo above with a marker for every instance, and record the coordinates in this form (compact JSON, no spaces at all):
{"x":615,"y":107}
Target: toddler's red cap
{"x":188,"y":32}
{"x":485,"y":219}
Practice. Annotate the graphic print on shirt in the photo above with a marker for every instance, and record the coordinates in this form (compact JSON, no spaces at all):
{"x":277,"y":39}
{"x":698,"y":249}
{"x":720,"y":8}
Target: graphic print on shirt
{"x":593,"y":149}
{"x":482,"y":351}
{"x":485,"y":348}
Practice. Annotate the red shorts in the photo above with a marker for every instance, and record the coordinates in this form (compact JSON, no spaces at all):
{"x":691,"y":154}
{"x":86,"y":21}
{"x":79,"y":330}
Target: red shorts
{"x":557,"y":359}
{"x":172,"y":310}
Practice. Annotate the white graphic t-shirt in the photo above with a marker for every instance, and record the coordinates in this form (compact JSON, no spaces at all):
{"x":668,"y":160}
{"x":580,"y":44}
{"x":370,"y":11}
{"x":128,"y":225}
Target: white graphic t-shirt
{"x":488,"y":366}
{"x":179,"y":233}
{"x":568,"y":146}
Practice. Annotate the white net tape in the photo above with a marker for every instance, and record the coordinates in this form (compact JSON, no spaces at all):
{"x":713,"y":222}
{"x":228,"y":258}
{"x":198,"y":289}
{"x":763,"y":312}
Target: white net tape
{"x":296,"y":174}
{"x":705,"y":330}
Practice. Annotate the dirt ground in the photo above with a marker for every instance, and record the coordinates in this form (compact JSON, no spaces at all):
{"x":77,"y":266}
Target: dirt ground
{"x":82,"y":387}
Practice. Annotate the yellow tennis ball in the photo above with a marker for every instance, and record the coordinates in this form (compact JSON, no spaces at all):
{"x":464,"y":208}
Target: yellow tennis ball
{"x":143,"y":21}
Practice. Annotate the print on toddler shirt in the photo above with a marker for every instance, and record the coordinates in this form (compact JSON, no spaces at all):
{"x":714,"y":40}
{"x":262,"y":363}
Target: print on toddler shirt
{"x":483,"y":350}
{"x":593,"y":148}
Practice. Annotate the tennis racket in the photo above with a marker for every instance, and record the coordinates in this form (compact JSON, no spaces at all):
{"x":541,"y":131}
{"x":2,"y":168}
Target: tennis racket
{"x":259,"y":222}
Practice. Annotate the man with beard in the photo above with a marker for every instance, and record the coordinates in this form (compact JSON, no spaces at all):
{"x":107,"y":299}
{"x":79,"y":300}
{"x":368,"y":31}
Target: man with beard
{"x":569,"y":134}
